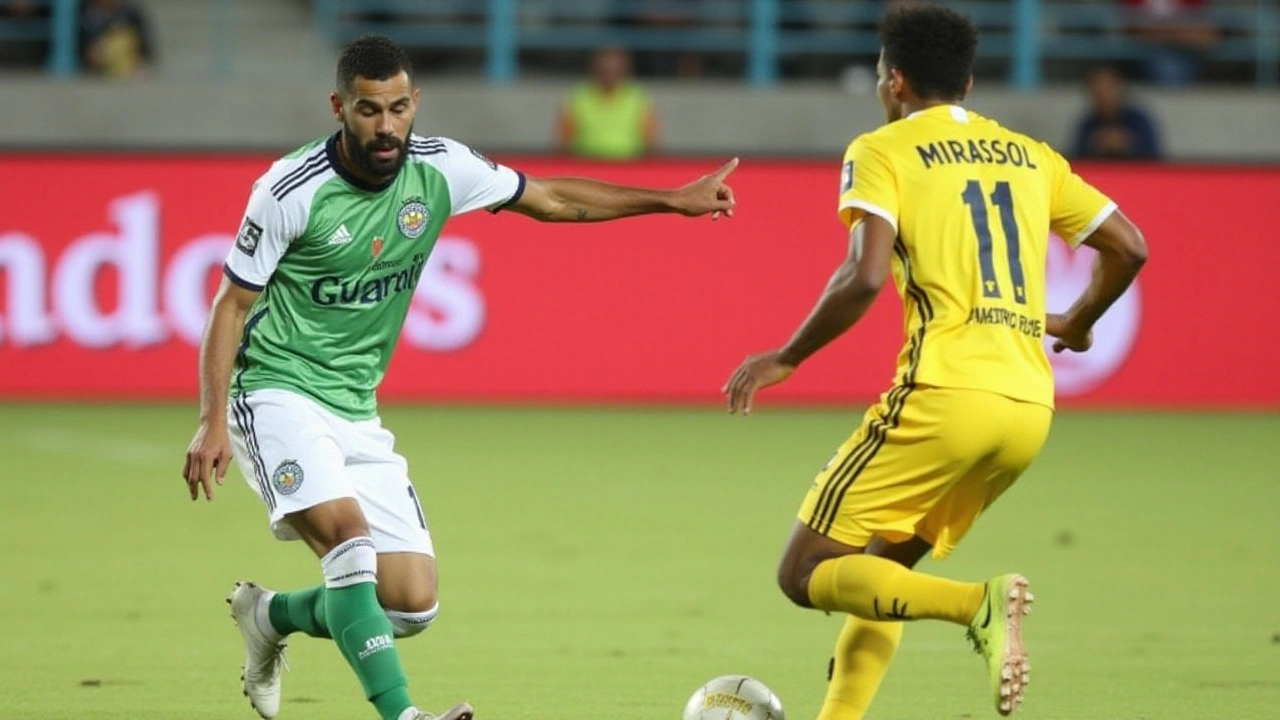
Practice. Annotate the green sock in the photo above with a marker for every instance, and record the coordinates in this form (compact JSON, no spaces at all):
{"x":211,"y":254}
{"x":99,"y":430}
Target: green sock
{"x":300,"y":611}
{"x":363,"y":634}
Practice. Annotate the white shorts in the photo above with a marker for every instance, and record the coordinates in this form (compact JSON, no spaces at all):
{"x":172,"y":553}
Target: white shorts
{"x":296,"y":454}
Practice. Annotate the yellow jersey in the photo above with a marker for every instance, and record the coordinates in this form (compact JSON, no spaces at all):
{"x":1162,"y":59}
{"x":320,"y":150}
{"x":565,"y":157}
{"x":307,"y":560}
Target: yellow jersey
{"x":610,"y":126}
{"x":972,"y":203}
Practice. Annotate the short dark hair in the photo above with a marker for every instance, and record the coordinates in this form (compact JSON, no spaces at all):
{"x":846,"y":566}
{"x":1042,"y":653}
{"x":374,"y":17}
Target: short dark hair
{"x":1106,"y":68}
{"x":374,"y":57}
{"x":933,"y":47}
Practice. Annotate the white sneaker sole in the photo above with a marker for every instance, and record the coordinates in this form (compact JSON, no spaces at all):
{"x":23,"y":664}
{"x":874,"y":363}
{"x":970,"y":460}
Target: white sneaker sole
{"x":461,"y":711}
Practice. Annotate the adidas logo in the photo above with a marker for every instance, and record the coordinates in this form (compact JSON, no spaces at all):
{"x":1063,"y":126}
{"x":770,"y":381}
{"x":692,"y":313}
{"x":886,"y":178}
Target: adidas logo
{"x":341,"y":236}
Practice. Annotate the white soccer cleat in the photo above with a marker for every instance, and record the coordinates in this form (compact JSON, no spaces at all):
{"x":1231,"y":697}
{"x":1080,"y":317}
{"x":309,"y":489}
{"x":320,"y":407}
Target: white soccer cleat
{"x":461,"y":711}
{"x":263,"y":655}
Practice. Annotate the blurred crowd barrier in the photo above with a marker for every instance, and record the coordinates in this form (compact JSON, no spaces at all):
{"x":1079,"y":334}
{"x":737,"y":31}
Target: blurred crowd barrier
{"x":105,"y":284}
{"x":236,"y":74}
{"x":759,"y":41}
{"x":764,"y":41}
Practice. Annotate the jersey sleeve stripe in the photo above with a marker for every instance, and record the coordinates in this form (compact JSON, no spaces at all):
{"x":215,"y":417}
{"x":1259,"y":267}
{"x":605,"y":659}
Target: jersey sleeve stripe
{"x":871,"y":209}
{"x":1094,"y":224}
{"x":515,"y":197}
{"x":311,"y":162}
{"x":233,"y":277}
{"x":299,"y":182}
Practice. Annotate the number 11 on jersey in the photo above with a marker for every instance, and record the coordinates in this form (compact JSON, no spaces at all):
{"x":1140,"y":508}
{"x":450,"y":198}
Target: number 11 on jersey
{"x":1002,"y":198}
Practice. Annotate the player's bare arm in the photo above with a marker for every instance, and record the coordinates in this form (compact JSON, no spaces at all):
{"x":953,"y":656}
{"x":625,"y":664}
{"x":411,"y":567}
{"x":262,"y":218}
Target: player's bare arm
{"x":209,"y":454}
{"x":1122,"y":251}
{"x":850,"y":292}
{"x":572,"y":199}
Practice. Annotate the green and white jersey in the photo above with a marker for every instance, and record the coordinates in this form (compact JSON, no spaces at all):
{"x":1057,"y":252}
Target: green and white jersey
{"x":337,"y":261}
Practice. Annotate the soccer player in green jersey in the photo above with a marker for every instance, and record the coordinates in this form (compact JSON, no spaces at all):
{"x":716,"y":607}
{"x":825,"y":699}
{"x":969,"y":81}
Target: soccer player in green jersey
{"x":315,"y":293}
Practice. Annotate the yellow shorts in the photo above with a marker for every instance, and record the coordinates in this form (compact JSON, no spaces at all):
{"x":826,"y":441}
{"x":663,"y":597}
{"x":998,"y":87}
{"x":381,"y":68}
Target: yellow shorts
{"x":926,"y":461}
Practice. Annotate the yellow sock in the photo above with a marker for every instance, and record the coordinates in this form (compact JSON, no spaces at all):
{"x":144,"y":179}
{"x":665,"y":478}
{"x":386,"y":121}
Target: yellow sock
{"x":874,"y":588}
{"x":861,"y":658}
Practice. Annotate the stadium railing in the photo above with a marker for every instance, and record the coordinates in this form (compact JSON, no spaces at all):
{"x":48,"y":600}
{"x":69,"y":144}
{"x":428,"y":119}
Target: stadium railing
{"x":56,"y":22}
{"x":765,"y":32}
{"x":52,"y":21}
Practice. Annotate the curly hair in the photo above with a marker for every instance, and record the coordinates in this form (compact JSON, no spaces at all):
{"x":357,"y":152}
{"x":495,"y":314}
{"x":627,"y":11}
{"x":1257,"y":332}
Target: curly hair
{"x":933,"y":47}
{"x":374,"y":57}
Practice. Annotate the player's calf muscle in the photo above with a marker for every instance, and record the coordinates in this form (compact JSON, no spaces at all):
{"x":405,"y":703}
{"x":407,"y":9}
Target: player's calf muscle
{"x":407,"y":582}
{"x":412,"y":602}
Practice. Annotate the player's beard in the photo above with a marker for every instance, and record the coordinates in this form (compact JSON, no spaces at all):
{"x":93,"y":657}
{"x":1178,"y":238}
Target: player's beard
{"x":368,"y":162}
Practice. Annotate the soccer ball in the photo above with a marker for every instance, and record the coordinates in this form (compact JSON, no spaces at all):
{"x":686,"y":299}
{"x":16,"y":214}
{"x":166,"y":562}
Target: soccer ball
{"x":734,"y":697}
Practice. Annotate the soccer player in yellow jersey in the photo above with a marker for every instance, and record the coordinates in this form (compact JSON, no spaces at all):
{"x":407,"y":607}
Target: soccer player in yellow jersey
{"x":959,"y":209}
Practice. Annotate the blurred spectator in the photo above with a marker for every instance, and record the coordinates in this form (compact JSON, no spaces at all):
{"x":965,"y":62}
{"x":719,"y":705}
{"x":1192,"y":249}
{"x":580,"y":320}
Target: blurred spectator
{"x":23,"y":14}
{"x":609,"y":116}
{"x":1114,"y":128}
{"x":20,"y":9}
{"x":1180,"y":31}
{"x":657,"y":16}
{"x":115,"y":39}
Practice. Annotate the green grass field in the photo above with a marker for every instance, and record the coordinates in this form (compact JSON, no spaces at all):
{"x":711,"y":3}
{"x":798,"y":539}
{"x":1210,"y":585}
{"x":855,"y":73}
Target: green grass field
{"x":604,"y":563}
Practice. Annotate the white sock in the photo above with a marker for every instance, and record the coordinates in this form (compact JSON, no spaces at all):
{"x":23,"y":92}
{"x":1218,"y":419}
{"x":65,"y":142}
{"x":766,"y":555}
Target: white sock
{"x":262,"y":617}
{"x":350,"y":563}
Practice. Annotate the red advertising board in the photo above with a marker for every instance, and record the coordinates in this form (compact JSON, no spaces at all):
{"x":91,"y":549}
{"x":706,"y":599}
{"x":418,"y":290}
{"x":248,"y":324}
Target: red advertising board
{"x":107,"y":263}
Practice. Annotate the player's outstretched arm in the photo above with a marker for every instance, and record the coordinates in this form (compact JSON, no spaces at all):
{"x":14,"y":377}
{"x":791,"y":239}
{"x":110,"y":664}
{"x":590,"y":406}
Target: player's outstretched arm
{"x":571,"y":199}
{"x":850,"y":292}
{"x":1122,"y":251}
{"x":210,"y":449}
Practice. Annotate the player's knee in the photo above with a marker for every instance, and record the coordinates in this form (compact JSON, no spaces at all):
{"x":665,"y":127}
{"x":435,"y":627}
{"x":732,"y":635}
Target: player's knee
{"x":407,"y":623}
{"x":794,"y":584}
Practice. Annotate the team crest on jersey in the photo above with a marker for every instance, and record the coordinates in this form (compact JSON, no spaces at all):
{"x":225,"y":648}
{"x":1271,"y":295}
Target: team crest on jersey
{"x":288,"y":477}
{"x":846,"y":177}
{"x":413,"y":218}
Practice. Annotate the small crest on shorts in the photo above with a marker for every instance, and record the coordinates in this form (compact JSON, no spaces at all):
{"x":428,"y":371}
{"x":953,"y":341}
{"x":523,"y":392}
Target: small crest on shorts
{"x":413,"y":217}
{"x":288,"y":477}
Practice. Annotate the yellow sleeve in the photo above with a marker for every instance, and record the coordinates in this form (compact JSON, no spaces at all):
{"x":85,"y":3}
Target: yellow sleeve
{"x":1076,"y":208}
{"x":868,"y":185}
